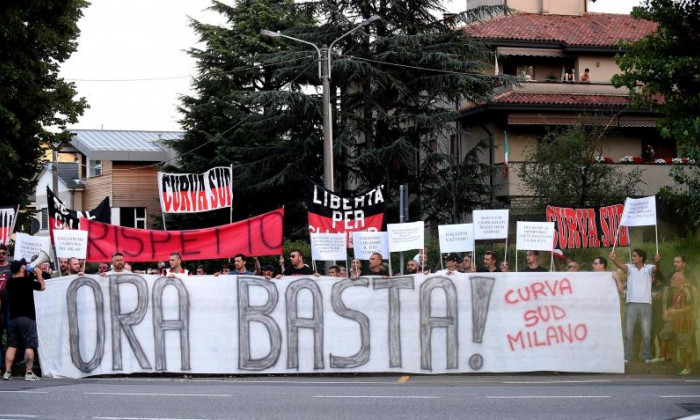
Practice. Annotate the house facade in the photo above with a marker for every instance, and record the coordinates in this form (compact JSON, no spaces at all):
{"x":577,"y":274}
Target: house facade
{"x":565,"y":59}
{"x":119,"y":164}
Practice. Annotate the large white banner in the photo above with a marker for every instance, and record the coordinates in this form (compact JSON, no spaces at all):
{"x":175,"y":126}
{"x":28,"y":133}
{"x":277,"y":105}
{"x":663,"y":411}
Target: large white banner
{"x":406,"y":236}
{"x":194,"y":193}
{"x":639,"y":212}
{"x":456,"y":238}
{"x":535,"y":236}
{"x":27,"y":246}
{"x":70,"y":243}
{"x":367,"y":243}
{"x":496,"y":322}
{"x":490,"y":224}
{"x":329,"y":246}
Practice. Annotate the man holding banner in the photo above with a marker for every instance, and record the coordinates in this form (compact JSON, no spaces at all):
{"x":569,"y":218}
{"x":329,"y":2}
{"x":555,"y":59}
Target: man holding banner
{"x":638,"y":300}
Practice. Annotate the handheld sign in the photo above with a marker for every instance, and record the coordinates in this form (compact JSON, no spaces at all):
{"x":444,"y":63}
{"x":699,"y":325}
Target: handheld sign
{"x":27,"y":246}
{"x":490,"y":224}
{"x":406,"y":236}
{"x":367,"y":243}
{"x":70,"y":243}
{"x":456,"y":238}
{"x":536,"y":236}
{"x":639,"y":212}
{"x":329,"y":246}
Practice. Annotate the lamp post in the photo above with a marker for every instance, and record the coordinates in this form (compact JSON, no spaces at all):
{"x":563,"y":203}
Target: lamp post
{"x":324,"y":72}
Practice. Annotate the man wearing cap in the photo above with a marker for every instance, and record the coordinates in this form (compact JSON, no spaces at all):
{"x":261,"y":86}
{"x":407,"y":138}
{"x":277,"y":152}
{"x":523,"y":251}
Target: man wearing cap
{"x":452,"y":263}
{"x":268,"y":271}
{"x":5,"y":275}
{"x":20,"y":291}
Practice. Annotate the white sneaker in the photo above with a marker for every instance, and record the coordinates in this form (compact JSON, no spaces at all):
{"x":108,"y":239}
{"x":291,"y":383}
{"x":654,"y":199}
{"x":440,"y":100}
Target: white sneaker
{"x":658,"y":360}
{"x":30,"y":376}
{"x":7,"y":375}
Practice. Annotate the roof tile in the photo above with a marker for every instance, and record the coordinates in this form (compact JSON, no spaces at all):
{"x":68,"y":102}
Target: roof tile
{"x":590,"y":29}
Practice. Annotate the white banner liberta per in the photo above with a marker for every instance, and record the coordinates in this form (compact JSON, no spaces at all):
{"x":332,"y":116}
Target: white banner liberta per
{"x":502,"y":322}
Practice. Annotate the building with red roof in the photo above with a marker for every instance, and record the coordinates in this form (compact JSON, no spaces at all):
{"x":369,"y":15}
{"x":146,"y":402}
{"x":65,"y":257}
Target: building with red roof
{"x":551,"y":45}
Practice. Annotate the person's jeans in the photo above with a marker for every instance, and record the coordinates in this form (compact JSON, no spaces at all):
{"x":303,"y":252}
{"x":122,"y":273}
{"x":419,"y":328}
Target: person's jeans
{"x":643,"y":312}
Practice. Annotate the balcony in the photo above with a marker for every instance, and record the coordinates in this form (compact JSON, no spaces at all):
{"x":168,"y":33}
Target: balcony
{"x":654,"y":176}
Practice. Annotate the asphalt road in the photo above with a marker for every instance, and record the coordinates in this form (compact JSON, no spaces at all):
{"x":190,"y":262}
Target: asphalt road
{"x":357,"y":397}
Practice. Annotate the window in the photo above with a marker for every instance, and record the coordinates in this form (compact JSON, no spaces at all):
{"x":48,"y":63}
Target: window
{"x":45,"y":218}
{"x":94,"y":168}
{"x":134,"y":217}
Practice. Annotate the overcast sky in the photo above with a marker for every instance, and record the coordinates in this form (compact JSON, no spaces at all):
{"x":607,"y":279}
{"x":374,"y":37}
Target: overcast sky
{"x":131,"y":63}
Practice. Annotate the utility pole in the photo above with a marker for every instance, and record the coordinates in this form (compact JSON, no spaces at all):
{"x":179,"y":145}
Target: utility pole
{"x":328,"y":171}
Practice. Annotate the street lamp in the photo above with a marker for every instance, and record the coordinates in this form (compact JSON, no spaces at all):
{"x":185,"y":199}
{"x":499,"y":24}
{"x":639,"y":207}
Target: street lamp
{"x":324,"y":72}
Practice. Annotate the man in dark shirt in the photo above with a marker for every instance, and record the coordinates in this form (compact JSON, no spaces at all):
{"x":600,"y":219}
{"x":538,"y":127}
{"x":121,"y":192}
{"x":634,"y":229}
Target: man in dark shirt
{"x":532,"y":263}
{"x":376,"y":267}
{"x":20,"y":290}
{"x":5,"y":275}
{"x":298,"y":268}
{"x":490,"y":263}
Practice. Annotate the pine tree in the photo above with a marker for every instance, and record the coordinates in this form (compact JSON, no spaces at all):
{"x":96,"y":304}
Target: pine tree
{"x":35,"y":103}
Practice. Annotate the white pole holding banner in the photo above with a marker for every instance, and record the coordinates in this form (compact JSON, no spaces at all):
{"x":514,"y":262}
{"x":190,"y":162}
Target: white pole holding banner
{"x":231,"y":207}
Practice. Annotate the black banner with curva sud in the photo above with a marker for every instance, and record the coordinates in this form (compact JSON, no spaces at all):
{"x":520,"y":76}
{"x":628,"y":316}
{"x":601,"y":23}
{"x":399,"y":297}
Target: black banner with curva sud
{"x":594,"y":227}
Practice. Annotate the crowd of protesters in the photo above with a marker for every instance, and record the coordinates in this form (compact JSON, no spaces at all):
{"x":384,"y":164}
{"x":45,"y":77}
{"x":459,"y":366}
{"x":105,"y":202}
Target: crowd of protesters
{"x":657,"y":310}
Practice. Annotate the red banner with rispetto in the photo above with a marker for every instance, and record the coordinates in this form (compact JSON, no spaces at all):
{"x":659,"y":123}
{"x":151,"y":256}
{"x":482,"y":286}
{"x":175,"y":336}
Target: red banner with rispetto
{"x":258,"y":236}
{"x":332,"y":213}
{"x":594,"y":227}
{"x":194,"y":193}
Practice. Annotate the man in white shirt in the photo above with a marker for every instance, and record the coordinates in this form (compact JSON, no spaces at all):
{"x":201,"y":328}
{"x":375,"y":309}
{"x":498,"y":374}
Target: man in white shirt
{"x":452,"y":263}
{"x":117,"y":265}
{"x":638,"y":300}
{"x":176,"y":269}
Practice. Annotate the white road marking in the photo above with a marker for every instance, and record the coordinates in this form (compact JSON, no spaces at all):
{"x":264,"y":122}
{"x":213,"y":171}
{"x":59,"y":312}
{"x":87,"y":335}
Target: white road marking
{"x":24,"y":416}
{"x":523,"y":397}
{"x":23,"y":391}
{"x":141,"y":418}
{"x":592,"y":381}
{"x":154,"y":394}
{"x":679,"y":396}
{"x":421,"y":397}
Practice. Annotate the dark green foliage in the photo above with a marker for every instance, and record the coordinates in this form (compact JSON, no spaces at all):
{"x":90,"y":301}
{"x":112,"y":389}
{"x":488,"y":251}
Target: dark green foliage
{"x":562,"y":170}
{"x":395,"y":88}
{"x":666,"y":64}
{"x":35,"y":103}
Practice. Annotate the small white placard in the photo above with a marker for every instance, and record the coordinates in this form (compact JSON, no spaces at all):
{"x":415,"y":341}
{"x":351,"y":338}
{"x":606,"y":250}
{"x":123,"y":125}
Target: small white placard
{"x":329,"y":246}
{"x":27,"y":246}
{"x":406,"y":236}
{"x":490,"y":224}
{"x":367,"y":243}
{"x":639,"y":212}
{"x":70,"y":243}
{"x":456,"y":238}
{"x":535,"y":236}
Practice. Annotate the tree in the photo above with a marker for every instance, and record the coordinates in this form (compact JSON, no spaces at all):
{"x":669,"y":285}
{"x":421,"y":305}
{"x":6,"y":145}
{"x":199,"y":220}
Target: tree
{"x":218,"y":119}
{"x":35,"y":104}
{"x":662,"y":71}
{"x":394,"y":88}
{"x":564,"y":168}
{"x":454,"y":185}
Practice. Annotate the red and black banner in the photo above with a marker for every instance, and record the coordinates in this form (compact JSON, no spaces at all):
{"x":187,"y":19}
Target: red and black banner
{"x":194,"y":193}
{"x":331,"y":213}
{"x":588,"y":227}
{"x":8,"y":217}
{"x":61,"y":217}
{"x":255,"y":237}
